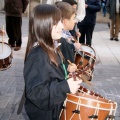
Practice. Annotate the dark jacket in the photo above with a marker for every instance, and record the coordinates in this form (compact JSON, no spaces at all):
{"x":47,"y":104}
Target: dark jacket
{"x":67,"y":51}
{"x":94,"y":6}
{"x":45,"y":86}
{"x":104,"y":1}
{"x":111,"y":8}
{"x":15,"y":7}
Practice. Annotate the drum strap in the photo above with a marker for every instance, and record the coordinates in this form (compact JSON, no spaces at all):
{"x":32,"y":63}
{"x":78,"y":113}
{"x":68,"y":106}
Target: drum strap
{"x":66,"y":76}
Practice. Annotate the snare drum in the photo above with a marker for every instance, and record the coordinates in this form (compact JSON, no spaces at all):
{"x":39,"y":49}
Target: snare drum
{"x":84,"y":108}
{"x":85,"y":59}
{"x":5,"y":56}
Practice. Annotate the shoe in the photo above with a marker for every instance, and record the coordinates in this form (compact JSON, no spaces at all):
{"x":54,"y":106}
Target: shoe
{"x":116,"y":39}
{"x":111,"y":38}
{"x":17,"y":48}
{"x":109,"y":25}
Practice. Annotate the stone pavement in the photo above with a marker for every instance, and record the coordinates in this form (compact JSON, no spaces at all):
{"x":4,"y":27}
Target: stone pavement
{"x":106,"y":80}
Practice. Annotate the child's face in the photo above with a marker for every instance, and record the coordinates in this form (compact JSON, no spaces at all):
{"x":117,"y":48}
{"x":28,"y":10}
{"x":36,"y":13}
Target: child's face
{"x":57,"y":31}
{"x":70,"y":23}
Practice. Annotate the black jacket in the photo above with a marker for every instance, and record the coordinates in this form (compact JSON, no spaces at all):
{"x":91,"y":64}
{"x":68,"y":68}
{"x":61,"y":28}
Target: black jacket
{"x":67,"y":51}
{"x":94,"y":6}
{"x":45,"y":86}
{"x":15,"y":7}
{"x":104,"y":1}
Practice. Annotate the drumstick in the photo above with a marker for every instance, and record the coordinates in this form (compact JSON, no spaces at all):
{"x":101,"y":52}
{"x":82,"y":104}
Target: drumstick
{"x":73,"y":73}
{"x":77,"y":30}
{"x":82,"y":77}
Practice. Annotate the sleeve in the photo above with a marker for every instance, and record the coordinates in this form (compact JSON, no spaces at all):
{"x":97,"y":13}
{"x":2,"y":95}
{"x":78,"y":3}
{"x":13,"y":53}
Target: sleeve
{"x":42,"y":90}
{"x":67,"y":51}
{"x":96,"y":7}
{"x":81,"y":10}
{"x":25,"y":3}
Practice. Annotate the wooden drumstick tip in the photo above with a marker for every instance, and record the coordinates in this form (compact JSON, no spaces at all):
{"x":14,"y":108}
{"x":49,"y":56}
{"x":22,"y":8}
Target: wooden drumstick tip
{"x":69,"y":62}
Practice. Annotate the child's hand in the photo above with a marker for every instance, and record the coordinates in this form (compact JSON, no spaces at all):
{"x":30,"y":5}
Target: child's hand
{"x":78,"y":34}
{"x":86,"y":5}
{"x":72,"y":67}
{"x":77,"y":45}
{"x":74,"y":85}
{"x":2,"y":32}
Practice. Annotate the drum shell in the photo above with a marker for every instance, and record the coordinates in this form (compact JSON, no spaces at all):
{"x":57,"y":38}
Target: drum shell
{"x":87,"y":108}
{"x":85,"y":61}
{"x":83,"y":57}
{"x":5,"y":62}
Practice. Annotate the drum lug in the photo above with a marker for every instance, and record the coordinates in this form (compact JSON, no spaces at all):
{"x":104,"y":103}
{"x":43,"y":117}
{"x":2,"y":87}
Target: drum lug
{"x":93,"y":116}
{"x":110,"y":117}
{"x":76,"y":111}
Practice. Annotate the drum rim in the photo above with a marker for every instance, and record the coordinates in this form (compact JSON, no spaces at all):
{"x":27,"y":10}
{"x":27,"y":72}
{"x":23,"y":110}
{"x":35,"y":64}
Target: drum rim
{"x":91,"y":101}
{"x":6,"y":43}
{"x":9,"y":47}
{"x":2,"y":69}
{"x":88,"y":46}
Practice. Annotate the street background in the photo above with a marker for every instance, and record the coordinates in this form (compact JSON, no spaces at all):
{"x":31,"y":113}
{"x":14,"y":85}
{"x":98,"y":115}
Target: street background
{"x":106,"y":78}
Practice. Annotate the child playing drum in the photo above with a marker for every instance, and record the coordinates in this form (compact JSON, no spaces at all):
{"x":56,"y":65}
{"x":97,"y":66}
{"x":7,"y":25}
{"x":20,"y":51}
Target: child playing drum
{"x":68,"y":19}
{"x":45,"y":84}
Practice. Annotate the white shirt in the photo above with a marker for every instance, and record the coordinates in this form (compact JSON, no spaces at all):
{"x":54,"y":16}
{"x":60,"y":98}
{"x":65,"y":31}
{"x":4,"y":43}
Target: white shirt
{"x":52,"y":1}
{"x":117,"y":6}
{"x":80,"y":11}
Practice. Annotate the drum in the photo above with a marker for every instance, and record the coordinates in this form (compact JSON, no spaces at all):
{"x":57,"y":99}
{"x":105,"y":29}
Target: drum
{"x":88,"y":92}
{"x":85,"y":59}
{"x":82,"y":106}
{"x":5,"y":56}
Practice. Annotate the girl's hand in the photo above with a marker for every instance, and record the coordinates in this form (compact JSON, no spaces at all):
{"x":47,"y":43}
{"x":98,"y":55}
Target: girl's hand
{"x":72,"y":67}
{"x":74,"y":85}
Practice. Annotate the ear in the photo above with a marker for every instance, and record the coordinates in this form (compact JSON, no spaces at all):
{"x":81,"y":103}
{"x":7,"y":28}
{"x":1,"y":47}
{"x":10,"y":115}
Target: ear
{"x":65,"y":22}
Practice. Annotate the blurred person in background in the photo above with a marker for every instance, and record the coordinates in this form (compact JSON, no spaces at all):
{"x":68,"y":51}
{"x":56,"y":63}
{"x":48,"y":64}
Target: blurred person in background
{"x":103,"y":4}
{"x":13,"y":11}
{"x":113,"y":8}
{"x":86,"y":26}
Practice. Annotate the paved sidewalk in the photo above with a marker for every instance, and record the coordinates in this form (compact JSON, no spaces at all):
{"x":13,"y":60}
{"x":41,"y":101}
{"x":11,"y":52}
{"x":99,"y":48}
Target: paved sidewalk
{"x":106,"y":78}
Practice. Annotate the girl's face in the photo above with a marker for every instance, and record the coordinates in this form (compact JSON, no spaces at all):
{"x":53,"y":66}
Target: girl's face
{"x":57,"y":31}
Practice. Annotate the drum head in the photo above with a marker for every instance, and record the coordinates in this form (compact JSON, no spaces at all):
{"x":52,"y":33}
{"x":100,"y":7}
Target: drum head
{"x":88,"y":49}
{"x":5,"y":50}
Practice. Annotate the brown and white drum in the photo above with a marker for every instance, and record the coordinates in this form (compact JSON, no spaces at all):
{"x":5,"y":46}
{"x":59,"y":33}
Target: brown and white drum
{"x":5,"y":56}
{"x":85,"y":59}
{"x":82,"y":106}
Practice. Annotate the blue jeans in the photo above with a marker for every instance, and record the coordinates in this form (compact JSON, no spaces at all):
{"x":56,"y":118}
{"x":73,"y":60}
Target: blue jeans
{"x":103,"y":9}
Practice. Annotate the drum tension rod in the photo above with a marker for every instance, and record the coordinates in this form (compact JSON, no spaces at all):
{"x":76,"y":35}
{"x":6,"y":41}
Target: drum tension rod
{"x":76,"y":111}
{"x":93,"y":116}
{"x":110,"y":117}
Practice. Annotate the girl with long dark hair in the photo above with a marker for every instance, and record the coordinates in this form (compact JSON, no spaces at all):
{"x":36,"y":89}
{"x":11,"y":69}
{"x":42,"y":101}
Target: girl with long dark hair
{"x":45,"y":85}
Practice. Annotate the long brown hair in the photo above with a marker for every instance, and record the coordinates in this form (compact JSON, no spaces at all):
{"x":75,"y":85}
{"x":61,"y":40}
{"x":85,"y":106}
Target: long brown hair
{"x":41,"y":20}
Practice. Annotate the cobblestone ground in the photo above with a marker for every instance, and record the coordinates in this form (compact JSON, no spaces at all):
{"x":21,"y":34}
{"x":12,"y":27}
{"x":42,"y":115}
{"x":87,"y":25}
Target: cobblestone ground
{"x":106,"y":80}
